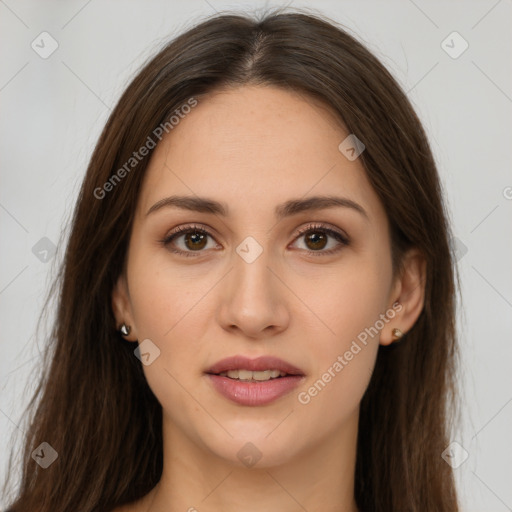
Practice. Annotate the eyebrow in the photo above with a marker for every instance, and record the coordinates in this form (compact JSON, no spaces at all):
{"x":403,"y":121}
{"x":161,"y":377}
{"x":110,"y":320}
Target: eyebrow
{"x":287,"y":209}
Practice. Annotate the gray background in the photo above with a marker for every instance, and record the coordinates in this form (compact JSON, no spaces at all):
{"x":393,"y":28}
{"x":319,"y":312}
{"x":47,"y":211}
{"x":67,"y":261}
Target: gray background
{"x":54,"y":109}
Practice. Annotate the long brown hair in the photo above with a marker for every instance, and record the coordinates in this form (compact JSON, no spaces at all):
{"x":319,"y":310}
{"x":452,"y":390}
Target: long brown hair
{"x":93,"y":404}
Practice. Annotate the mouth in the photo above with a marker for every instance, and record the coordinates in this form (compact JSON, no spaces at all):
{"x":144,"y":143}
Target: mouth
{"x":253,"y":376}
{"x":254,"y":381}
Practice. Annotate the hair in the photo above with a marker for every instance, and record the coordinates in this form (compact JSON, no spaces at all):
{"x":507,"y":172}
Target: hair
{"x":93,"y":404}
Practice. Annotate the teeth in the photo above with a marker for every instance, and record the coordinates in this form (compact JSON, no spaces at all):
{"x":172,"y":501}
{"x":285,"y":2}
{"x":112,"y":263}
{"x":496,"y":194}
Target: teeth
{"x":254,"y":376}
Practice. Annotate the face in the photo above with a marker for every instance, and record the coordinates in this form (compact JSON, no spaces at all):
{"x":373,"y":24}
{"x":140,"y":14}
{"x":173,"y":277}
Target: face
{"x":301,"y":286}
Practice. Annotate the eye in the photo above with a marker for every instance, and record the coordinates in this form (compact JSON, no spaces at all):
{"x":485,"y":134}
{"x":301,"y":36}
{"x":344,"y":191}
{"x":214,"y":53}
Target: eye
{"x":316,"y":238}
{"x":195,"y":239}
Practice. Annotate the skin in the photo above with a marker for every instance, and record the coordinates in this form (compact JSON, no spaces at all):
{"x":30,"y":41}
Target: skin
{"x":254,"y":147}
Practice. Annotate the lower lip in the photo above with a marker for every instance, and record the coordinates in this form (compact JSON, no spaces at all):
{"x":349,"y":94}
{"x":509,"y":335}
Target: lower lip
{"x":254,"y":393}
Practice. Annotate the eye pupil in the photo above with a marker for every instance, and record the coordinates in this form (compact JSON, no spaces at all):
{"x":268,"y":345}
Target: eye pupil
{"x":319,"y":240}
{"x":195,"y":237}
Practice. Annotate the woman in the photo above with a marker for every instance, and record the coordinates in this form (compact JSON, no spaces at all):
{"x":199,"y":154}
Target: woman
{"x":256,"y":307}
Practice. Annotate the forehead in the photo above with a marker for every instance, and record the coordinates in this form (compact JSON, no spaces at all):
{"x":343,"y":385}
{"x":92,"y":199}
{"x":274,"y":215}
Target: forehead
{"x":255,"y":147}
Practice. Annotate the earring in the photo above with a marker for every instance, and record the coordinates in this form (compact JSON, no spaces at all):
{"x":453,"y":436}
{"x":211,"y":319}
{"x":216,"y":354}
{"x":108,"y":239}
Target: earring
{"x":397,"y":333}
{"x":125,"y":329}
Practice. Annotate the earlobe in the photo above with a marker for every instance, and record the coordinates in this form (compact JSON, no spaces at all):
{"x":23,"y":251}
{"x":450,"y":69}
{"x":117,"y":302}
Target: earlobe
{"x":121,"y":308}
{"x":409,"y":293}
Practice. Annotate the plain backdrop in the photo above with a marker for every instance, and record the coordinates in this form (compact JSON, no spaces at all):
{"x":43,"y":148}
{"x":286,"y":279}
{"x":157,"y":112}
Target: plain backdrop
{"x":53,"y":109}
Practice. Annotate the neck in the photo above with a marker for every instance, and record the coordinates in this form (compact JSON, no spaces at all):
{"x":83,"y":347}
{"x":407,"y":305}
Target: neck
{"x":194,"y":479}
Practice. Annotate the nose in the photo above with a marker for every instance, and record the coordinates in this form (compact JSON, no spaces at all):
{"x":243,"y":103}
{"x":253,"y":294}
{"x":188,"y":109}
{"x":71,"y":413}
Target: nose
{"x":254,"y":298}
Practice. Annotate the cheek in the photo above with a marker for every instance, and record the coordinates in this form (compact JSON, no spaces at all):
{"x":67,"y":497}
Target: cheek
{"x":341,"y":364}
{"x":163,"y":294}
{"x":350,"y":308}
{"x":168,"y":308}
{"x":165,"y":308}
{"x":352,"y":300}
{"x":331,"y":398}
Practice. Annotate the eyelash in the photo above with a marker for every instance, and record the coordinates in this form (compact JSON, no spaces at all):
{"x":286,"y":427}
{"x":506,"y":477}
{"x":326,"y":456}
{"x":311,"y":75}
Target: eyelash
{"x":341,"y":238}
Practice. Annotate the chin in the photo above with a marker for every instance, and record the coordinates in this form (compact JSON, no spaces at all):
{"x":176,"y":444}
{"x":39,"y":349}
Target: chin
{"x":253,"y":447}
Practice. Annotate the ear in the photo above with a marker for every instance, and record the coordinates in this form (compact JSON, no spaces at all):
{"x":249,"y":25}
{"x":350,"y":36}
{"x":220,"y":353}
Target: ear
{"x":121,"y":307}
{"x":409,"y":290}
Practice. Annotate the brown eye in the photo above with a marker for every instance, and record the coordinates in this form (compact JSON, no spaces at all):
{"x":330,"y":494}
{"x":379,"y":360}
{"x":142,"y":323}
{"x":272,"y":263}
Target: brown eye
{"x":186,"y":241}
{"x":316,"y":239}
{"x":196,"y":240}
{"x":192,"y":240}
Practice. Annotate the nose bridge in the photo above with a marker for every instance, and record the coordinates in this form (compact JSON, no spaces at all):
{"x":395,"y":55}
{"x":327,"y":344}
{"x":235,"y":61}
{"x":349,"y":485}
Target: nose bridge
{"x":253,"y":300}
{"x":251,"y":274}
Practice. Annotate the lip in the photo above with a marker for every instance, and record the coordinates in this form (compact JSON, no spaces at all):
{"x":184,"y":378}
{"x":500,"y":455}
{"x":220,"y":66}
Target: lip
{"x":259,"y":364}
{"x":254,"y":393}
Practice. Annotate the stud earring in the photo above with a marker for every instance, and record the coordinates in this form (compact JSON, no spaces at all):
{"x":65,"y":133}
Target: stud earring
{"x":125,"y":329}
{"x":397,"y":333}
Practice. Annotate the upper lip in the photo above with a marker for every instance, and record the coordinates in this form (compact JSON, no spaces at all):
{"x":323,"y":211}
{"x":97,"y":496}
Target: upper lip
{"x":259,"y":364}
